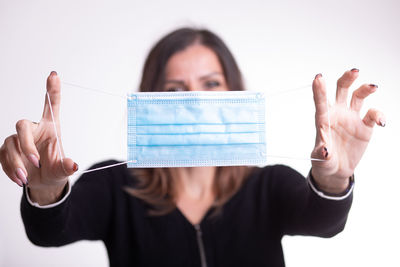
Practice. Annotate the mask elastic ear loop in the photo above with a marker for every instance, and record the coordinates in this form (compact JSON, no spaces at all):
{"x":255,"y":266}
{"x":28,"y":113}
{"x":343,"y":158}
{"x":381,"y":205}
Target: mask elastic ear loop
{"x":329,"y":123}
{"x":59,"y":145}
{"x":127,"y":97}
{"x":93,"y":89}
{"x":295,"y":158}
{"x":55,"y":128}
{"x":105,"y":167}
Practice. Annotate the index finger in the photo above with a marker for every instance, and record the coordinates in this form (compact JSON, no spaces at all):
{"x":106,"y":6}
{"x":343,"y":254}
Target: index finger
{"x":53,"y":88}
{"x":320,"y":100}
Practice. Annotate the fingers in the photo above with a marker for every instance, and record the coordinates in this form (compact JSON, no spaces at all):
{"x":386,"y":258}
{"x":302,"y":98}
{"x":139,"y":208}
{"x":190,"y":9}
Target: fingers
{"x":25,"y":130}
{"x":53,"y":90}
{"x":343,"y":85}
{"x":373,"y":117}
{"x":320,"y":100}
{"x":11,"y":161}
{"x":360,"y":94}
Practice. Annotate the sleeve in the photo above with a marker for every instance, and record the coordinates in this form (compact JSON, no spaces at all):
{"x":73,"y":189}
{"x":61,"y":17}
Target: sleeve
{"x":301,"y":210}
{"x":65,"y":194}
{"x":84,"y":214}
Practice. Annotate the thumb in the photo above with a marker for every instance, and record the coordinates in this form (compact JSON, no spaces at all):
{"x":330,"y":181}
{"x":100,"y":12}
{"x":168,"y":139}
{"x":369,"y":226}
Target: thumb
{"x":68,"y":167}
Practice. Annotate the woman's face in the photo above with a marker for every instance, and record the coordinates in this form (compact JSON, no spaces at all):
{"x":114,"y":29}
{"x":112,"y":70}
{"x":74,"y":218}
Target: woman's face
{"x":196,"y":68}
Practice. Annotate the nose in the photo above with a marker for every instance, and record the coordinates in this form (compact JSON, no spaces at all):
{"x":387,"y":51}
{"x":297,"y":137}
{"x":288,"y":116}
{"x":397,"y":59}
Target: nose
{"x":193,"y":85}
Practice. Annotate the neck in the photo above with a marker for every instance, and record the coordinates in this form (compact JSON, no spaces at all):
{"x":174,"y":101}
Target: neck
{"x":195,"y":182}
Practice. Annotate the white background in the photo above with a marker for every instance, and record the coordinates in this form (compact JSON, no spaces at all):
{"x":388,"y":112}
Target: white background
{"x":278,"y":46}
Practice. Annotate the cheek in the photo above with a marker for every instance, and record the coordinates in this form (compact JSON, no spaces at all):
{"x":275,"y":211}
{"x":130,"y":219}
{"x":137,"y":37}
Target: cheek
{"x":223,"y":88}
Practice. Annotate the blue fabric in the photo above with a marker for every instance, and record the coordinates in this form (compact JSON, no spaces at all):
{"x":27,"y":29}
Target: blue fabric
{"x":186,"y":129}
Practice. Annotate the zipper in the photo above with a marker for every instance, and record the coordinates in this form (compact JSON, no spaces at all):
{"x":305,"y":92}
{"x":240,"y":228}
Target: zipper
{"x":201,"y":245}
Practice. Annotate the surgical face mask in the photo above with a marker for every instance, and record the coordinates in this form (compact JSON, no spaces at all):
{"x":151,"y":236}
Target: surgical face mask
{"x":187,"y":129}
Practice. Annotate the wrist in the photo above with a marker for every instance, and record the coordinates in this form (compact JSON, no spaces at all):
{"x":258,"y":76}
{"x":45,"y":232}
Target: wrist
{"x":330,"y":184}
{"x":49,"y":195}
{"x":334,"y":187}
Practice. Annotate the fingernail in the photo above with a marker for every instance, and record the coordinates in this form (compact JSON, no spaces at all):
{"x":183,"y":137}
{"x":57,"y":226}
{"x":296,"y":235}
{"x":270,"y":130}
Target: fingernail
{"x":75,"y":167}
{"x":319,"y":75}
{"x":382,"y":123}
{"x":19,"y":183}
{"x":355,"y":70}
{"x":40,"y":165}
{"x":326,"y":152}
{"x":34,"y":160}
{"x":21,"y":175}
{"x":53,"y":72}
{"x":373,"y":85}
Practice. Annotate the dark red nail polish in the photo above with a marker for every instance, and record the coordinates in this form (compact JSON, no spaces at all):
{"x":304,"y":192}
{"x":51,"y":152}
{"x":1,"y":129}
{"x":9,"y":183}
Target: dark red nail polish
{"x":53,"y":72}
{"x":325,"y":152}
{"x":373,"y":85}
{"x":355,"y":70}
{"x":40,"y":165}
{"x":75,"y":167}
{"x":319,"y":75}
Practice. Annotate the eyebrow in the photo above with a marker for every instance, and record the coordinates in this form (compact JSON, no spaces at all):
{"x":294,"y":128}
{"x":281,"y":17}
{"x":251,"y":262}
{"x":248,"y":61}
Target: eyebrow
{"x":175,"y":81}
{"x":201,"y":78}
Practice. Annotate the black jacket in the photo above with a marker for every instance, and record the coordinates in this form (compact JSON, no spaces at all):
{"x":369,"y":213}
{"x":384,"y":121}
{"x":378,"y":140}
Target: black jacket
{"x":274,"y":201}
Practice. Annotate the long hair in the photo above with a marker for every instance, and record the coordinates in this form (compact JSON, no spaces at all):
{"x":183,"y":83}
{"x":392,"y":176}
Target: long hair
{"x":156,"y":186}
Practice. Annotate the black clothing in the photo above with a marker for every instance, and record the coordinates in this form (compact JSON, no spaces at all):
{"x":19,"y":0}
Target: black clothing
{"x":274,"y":201}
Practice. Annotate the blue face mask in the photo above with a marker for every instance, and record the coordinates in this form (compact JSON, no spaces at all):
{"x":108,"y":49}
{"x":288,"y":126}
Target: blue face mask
{"x":187,"y":129}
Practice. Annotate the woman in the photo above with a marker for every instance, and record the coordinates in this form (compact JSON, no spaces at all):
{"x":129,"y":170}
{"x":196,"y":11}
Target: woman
{"x":199,"y":216}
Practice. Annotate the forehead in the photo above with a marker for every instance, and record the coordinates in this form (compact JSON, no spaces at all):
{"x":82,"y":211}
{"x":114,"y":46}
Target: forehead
{"x":196,"y":60}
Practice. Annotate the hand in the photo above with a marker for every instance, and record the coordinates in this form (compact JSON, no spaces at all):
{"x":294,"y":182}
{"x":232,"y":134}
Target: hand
{"x":342,"y":136}
{"x":32,"y":155}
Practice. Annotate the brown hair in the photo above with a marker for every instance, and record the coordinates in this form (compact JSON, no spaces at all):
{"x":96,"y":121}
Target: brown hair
{"x":155,"y":186}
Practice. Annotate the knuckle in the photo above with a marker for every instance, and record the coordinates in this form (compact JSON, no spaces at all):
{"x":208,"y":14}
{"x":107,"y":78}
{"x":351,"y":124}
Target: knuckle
{"x":6,"y":166}
{"x":20,"y":125}
{"x":373,"y":111}
{"x":323,"y":127}
{"x":340,"y":82}
{"x":357,"y":94}
{"x":8,"y":152}
{"x":10,"y":140}
{"x":48,"y":142}
{"x":2,"y":154}
{"x":345,"y":81}
{"x":11,"y":144}
{"x":7,"y":170}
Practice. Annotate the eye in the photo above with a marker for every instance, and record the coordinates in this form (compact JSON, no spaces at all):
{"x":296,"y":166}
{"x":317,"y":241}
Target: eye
{"x":175,"y":89}
{"x":211,"y":85}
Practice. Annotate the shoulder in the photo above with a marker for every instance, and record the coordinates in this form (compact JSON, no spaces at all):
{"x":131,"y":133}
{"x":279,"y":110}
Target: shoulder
{"x":274,"y":174}
{"x":273,"y":180}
